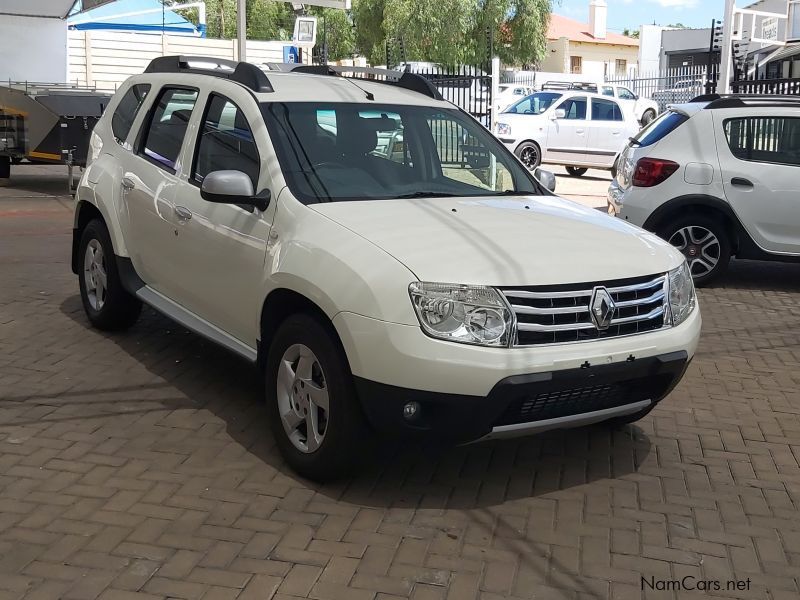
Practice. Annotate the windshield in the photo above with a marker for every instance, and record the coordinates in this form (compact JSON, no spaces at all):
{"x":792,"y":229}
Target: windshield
{"x":358,"y":151}
{"x":535,"y":104}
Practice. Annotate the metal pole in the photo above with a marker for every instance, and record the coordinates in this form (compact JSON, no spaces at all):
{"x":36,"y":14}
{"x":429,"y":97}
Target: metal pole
{"x":241,"y":29}
{"x":709,"y":62}
{"x":724,"y":83}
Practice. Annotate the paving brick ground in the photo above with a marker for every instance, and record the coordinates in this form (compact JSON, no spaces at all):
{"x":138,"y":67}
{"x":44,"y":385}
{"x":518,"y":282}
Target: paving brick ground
{"x":139,"y":466}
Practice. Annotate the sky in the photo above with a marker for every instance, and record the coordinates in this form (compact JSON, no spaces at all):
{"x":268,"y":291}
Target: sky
{"x":633,"y":13}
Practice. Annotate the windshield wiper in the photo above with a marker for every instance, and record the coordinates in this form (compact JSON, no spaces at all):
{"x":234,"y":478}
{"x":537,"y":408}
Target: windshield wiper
{"x":426,"y":195}
{"x":514,"y":193}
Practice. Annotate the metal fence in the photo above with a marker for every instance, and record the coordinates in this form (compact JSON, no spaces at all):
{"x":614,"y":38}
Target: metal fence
{"x":766,"y":86}
{"x":669,"y":86}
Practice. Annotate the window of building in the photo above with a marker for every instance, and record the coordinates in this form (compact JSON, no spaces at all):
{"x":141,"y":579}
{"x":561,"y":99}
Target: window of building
{"x":575,"y":65}
{"x":226,"y":142}
{"x":765,"y":139}
{"x":621,"y":66}
{"x":794,"y":20}
{"x":128,"y":107}
{"x":164,"y":135}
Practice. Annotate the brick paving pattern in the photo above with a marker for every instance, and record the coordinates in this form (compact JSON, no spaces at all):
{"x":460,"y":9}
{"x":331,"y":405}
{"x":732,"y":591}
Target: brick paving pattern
{"x":139,"y":466}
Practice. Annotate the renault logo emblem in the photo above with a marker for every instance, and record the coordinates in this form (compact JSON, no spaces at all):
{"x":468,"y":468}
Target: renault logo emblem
{"x":602,"y":308}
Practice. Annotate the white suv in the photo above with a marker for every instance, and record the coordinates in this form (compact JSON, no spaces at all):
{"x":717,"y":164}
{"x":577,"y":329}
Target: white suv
{"x":433,"y":288}
{"x":577,"y":129}
{"x":717,"y":177}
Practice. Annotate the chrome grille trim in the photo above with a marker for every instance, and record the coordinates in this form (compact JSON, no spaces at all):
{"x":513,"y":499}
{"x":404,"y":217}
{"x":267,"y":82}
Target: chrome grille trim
{"x":563,"y":316}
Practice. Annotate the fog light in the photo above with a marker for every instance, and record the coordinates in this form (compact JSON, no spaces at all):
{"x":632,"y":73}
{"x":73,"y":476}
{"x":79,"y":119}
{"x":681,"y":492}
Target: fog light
{"x":410,"y":410}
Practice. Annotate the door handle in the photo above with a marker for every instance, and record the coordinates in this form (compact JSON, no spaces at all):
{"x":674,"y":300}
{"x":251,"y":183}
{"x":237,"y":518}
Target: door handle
{"x":128,"y":183}
{"x":579,"y":131}
{"x":741,"y":182}
{"x":183,"y":213}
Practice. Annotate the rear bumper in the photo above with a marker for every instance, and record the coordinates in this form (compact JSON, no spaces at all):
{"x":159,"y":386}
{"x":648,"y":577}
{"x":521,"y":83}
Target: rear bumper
{"x":525,"y":404}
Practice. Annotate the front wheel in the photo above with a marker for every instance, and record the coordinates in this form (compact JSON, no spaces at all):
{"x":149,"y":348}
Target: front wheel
{"x":107,"y":304}
{"x":576,"y":171}
{"x":315,"y":415}
{"x":529,"y":154}
{"x":705,"y":244}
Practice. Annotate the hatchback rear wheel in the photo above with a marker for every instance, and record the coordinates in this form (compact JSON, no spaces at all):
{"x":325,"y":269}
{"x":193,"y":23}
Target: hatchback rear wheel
{"x":705,"y":244}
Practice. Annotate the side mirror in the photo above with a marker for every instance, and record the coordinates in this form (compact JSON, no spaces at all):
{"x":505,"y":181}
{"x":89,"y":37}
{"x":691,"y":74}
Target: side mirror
{"x":560,"y":113}
{"x":232,"y":187}
{"x":546,"y":178}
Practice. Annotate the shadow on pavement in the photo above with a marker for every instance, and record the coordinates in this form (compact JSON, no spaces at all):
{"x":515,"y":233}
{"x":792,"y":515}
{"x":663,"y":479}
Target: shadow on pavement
{"x":401,"y":474}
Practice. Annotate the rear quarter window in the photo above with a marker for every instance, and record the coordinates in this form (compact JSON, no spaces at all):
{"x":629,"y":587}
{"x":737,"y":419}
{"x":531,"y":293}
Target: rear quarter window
{"x":660,"y":128}
{"x":128,"y":107}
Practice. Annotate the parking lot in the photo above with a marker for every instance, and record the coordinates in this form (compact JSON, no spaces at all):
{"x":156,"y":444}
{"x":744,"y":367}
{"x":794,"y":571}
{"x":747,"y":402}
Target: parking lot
{"x":140,"y":465}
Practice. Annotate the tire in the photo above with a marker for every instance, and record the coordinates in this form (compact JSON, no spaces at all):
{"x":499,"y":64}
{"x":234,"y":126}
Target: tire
{"x":708,"y":258}
{"x":305,"y":355}
{"x":631,"y":418}
{"x":5,"y":167}
{"x":529,"y":154}
{"x":108,"y":306}
{"x":648,"y":117}
{"x":576,"y":171}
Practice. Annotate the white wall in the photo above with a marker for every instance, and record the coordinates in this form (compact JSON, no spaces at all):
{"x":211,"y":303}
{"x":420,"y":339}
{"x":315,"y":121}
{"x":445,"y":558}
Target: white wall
{"x":650,"y":48}
{"x":105,"y":59}
{"x":599,"y":59}
{"x":33,"y":49}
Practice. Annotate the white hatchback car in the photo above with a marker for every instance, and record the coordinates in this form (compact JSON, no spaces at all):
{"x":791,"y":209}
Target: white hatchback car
{"x":577,"y":129}
{"x":422,"y":285}
{"x":717,"y":177}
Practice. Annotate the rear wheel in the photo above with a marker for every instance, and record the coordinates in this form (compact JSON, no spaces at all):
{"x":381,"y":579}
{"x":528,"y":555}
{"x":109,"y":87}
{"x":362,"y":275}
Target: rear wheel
{"x":704,"y":242}
{"x":576,"y":171}
{"x":529,"y":154}
{"x":648,"y":117}
{"x":107,"y":304}
{"x":315,"y":414}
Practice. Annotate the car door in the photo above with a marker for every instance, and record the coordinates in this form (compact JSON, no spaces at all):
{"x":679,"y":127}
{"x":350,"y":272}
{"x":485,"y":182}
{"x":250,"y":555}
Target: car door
{"x":567,"y":136}
{"x":760,"y":164}
{"x":606,"y":128}
{"x":219,"y":258}
{"x":149,"y":181}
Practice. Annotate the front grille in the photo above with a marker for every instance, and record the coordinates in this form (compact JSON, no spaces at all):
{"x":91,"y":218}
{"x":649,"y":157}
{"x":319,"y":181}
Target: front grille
{"x":574,"y":401}
{"x":560,"y":314}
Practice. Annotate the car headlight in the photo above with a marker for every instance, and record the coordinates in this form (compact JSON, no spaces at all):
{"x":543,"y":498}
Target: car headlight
{"x":469,"y":314}
{"x":681,"y":294}
{"x":503,"y":129}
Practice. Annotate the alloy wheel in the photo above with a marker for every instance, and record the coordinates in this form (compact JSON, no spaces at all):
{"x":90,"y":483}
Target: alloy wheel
{"x":303,"y":400}
{"x":94,"y":275}
{"x":700,"y":247}
{"x":529,"y":157}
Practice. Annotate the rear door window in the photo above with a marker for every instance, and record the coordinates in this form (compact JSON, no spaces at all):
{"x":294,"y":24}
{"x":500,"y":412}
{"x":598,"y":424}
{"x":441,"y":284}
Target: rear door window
{"x":163,"y":137}
{"x":660,"y":128}
{"x":125,"y":113}
{"x":764,"y":139}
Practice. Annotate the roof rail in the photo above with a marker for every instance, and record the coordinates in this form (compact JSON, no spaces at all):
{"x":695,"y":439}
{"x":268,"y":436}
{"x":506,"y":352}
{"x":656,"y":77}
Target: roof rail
{"x":739,"y":100}
{"x":407,"y":80}
{"x":247,"y":74}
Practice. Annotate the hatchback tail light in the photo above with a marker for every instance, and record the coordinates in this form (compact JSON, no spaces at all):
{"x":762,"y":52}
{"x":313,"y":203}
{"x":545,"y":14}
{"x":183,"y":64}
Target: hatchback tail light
{"x":652,"y":171}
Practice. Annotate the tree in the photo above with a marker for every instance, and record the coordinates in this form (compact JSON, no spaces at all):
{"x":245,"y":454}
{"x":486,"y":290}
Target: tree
{"x":631,"y":33}
{"x":454,"y":31}
{"x":335,"y":28}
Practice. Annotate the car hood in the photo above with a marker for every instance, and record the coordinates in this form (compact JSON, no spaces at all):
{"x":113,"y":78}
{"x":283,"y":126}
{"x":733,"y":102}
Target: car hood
{"x":535,"y":240}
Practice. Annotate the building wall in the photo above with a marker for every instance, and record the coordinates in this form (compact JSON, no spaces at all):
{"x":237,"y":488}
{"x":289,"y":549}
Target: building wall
{"x":597,"y":60}
{"x":33,"y":49}
{"x":104,"y":59}
{"x":650,"y":48}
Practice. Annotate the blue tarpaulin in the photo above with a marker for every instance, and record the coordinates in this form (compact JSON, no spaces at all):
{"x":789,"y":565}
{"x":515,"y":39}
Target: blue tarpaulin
{"x":163,"y":20}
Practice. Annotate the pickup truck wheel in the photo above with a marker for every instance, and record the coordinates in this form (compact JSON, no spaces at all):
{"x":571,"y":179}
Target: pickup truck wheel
{"x":314,"y":411}
{"x":648,"y":117}
{"x":576,"y":171}
{"x":529,"y":154}
{"x":107,"y":304}
{"x":704,"y":242}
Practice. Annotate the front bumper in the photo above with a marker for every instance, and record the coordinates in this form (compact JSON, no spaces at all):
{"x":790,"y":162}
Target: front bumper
{"x":525,"y":404}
